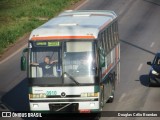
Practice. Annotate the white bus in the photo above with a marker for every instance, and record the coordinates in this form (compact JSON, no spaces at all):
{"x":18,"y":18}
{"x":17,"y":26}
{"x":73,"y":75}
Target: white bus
{"x":73,"y":62}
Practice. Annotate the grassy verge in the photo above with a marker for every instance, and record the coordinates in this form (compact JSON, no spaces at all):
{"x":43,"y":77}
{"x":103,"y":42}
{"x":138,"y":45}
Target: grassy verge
{"x":18,"y":17}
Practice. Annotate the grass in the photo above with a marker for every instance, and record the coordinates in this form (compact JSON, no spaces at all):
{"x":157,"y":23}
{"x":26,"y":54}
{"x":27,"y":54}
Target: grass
{"x":18,"y":17}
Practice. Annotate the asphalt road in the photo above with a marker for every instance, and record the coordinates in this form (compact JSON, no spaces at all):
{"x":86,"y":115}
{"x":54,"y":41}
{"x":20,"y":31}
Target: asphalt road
{"x":139,"y":28}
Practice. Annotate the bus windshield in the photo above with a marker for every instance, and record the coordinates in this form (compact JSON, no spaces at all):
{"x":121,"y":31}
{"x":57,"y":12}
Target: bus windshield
{"x":63,"y":63}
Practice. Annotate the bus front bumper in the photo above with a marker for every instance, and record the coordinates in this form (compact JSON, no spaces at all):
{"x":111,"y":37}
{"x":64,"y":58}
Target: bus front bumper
{"x":65,"y":106}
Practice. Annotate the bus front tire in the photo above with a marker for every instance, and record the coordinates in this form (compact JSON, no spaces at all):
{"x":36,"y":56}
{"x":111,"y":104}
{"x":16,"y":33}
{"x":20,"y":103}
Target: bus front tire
{"x":102,"y":100}
{"x":111,"y":98}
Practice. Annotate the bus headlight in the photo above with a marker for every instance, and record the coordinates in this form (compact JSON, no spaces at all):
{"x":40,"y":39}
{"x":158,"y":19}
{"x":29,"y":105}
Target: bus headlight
{"x":35,"y":105}
{"x":89,"y":94}
{"x":154,"y":72}
{"x":41,"y":95}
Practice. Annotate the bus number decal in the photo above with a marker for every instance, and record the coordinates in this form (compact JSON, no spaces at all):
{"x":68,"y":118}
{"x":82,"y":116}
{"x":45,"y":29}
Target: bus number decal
{"x":51,"y":93}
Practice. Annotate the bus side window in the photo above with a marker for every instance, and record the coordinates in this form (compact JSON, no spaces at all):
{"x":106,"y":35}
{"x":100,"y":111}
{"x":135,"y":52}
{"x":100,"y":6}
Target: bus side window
{"x":114,"y":34}
{"x":103,"y":41}
{"x":111,"y":33}
{"x":109,"y":39}
{"x":116,"y":27}
{"x":106,"y":40}
{"x":109,"y":61}
{"x":110,"y":30}
{"x":100,"y":41}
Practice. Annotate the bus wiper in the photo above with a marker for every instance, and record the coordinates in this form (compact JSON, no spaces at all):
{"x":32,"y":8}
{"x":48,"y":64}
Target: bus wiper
{"x":72,"y":78}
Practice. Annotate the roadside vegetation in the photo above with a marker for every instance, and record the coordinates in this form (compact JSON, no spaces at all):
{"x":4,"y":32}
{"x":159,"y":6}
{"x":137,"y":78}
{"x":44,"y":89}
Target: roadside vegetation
{"x":18,"y":17}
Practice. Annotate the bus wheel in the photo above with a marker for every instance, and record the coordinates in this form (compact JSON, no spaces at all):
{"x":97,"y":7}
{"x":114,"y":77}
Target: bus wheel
{"x":111,"y":98}
{"x":102,"y":100}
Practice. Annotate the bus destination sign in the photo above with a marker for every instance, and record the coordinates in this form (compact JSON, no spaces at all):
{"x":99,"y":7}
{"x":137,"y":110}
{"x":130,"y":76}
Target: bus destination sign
{"x":48,"y":44}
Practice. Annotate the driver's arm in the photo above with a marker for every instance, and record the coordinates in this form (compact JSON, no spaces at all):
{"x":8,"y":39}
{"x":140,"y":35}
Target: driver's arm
{"x":36,"y":64}
{"x":54,"y":61}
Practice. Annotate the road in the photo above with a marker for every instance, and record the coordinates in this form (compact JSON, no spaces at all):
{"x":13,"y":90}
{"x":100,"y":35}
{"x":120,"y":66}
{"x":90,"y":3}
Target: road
{"x":139,"y":29}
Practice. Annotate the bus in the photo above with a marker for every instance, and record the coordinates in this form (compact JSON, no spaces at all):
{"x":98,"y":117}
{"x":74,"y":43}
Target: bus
{"x":80,"y":50}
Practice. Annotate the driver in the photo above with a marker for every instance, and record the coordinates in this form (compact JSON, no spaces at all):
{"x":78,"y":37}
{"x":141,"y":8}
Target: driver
{"x":47,"y":66}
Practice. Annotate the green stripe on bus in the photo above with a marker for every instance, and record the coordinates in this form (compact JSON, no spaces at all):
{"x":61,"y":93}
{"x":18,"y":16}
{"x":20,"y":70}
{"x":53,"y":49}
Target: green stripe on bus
{"x":96,"y":88}
{"x":95,"y":110}
{"x":30,"y":90}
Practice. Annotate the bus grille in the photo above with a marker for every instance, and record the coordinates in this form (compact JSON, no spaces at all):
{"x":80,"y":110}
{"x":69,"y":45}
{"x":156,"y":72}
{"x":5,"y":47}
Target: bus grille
{"x":67,"y":107}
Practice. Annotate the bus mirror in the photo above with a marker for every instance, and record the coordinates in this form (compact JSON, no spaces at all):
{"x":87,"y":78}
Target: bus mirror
{"x":149,"y":63}
{"x":25,"y":50}
{"x":102,"y":58}
{"x":23,"y":60}
{"x":102,"y":61}
{"x":23,"y":63}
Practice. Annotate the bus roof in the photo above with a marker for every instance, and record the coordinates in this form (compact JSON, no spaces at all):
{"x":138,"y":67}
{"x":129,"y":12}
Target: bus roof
{"x":81,"y":24}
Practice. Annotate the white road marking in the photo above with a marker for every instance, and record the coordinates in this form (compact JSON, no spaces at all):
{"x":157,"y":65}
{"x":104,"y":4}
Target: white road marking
{"x":81,"y":5}
{"x":121,"y":98}
{"x":140,"y":67}
{"x":152,"y":44}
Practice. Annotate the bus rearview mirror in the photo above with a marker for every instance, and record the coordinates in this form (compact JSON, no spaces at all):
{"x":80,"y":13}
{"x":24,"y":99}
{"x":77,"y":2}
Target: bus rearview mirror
{"x":149,"y":63}
{"x":102,"y":58}
{"x":102,"y":62}
{"x":23,"y":63}
{"x":23,"y":60}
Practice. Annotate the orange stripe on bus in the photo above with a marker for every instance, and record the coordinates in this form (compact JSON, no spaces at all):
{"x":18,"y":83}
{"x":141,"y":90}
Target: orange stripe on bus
{"x":107,"y":70}
{"x":62,"y":37}
{"x":116,"y":54}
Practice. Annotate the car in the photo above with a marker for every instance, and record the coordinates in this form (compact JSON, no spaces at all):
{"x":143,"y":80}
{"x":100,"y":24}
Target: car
{"x":154,"y":74}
